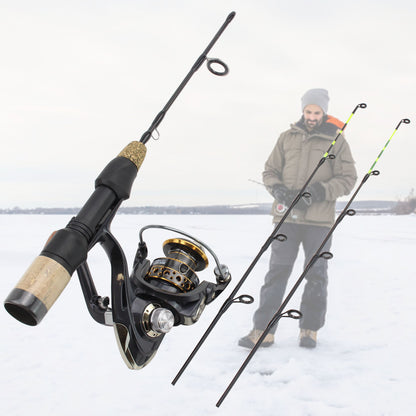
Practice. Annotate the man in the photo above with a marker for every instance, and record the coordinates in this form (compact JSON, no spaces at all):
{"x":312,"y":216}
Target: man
{"x":294,"y":157}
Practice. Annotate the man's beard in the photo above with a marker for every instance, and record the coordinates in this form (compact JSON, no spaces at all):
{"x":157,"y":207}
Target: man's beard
{"x":310,"y":125}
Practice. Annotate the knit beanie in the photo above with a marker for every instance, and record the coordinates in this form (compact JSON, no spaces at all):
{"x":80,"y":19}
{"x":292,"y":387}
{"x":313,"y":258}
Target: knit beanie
{"x":318,"y":96}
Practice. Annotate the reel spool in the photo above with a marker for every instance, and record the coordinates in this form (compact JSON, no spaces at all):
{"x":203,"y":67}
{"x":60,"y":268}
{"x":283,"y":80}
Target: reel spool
{"x":176,"y":271}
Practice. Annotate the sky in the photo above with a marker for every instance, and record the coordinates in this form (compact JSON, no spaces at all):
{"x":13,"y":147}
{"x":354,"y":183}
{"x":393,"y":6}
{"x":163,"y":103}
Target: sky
{"x":79,"y":80}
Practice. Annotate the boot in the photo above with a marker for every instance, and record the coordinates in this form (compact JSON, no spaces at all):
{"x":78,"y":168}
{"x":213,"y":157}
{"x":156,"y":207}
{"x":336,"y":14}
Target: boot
{"x":307,"y":338}
{"x":251,"y":339}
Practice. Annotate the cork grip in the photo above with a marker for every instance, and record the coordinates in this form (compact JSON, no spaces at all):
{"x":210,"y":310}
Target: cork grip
{"x":46,"y":279}
{"x":135,"y":152}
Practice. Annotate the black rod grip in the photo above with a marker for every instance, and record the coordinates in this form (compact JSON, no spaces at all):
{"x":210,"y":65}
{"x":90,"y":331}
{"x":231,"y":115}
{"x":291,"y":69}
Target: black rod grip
{"x":67,"y":249}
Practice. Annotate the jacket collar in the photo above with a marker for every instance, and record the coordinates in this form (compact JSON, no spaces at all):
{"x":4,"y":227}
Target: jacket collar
{"x":328,"y":129}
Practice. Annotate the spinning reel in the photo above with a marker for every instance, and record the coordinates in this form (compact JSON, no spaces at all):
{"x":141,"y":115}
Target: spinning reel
{"x":157,"y":296}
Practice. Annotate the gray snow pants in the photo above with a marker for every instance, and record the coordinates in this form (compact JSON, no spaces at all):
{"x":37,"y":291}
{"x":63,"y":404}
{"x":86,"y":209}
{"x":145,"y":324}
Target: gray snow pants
{"x":282,"y":259}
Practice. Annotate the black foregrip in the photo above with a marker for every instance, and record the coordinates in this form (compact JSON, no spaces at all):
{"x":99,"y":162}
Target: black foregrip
{"x":119,"y":176}
{"x":98,"y":206}
{"x":69,"y":246}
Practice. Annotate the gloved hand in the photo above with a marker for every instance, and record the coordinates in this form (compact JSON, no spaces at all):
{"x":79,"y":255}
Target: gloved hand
{"x":283,"y":195}
{"x":317,"y":194}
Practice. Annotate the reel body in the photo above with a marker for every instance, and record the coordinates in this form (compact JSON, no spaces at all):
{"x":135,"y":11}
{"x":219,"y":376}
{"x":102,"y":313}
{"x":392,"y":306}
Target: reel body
{"x":155,"y":297}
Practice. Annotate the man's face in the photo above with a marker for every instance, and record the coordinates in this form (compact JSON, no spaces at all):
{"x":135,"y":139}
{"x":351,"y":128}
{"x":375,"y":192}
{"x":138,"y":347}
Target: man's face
{"x":313,"y":116}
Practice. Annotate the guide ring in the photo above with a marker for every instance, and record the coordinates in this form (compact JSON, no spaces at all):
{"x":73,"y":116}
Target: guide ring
{"x":247,"y":299}
{"x":281,"y":237}
{"x":292,"y":313}
{"x":211,"y":61}
{"x":375,"y":172}
{"x":326,"y":255}
{"x":158,"y":135}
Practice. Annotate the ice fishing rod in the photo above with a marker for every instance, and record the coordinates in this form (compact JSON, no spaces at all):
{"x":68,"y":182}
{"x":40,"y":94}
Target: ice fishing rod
{"x":158,"y":295}
{"x":210,"y":65}
{"x":318,"y":254}
{"x":246,"y":299}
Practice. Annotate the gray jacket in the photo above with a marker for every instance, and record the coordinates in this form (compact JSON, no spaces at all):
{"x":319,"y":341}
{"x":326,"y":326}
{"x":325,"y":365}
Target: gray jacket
{"x":295,"y":156}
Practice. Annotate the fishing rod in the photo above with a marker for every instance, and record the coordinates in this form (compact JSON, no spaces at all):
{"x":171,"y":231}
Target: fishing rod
{"x":157,"y":295}
{"x":247,"y":299}
{"x":210,"y":65}
{"x":318,"y":254}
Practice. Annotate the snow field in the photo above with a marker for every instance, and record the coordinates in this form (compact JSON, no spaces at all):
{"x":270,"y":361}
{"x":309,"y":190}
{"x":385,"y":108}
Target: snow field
{"x":363,"y":365}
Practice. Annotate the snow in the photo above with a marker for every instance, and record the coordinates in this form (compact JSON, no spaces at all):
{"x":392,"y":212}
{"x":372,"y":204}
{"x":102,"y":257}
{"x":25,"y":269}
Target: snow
{"x":364,"y":363}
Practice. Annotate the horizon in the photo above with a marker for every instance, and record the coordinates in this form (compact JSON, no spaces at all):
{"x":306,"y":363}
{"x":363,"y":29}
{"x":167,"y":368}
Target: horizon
{"x":368,"y":204}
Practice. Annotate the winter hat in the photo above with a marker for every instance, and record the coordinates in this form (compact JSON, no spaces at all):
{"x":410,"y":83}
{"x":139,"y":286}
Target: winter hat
{"x":318,"y":96}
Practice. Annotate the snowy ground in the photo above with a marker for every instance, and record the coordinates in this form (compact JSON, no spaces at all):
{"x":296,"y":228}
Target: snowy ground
{"x":364,"y":364}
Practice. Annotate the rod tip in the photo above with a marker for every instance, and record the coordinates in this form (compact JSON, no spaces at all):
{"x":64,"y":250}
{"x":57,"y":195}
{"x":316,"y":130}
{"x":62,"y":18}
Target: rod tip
{"x":403,"y":120}
{"x":231,"y":16}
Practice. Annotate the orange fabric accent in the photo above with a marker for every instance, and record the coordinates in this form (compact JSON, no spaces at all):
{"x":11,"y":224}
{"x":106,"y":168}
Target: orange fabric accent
{"x":335,"y":121}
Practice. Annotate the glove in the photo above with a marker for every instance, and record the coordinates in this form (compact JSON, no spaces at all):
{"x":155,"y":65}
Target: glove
{"x":283,"y":195}
{"x":317,"y":194}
